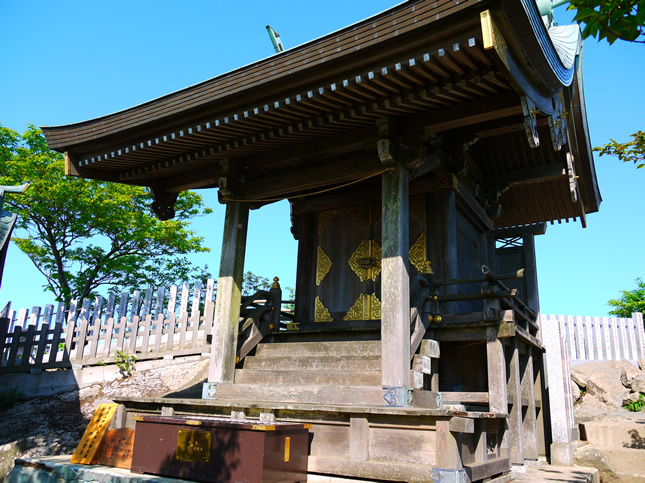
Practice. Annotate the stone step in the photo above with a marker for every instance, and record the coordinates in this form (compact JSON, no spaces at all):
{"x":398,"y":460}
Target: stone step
{"x":345,"y":377}
{"x":615,"y":434}
{"x":336,"y":395}
{"x":314,"y":363}
{"x":627,"y":460}
{"x":307,"y":349}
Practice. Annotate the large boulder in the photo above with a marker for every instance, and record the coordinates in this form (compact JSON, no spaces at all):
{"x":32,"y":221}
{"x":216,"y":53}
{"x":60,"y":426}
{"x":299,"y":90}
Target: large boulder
{"x":602,"y":379}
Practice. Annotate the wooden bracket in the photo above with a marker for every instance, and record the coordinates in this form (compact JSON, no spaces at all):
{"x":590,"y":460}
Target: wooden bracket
{"x":163,"y":203}
{"x":573,"y":179}
{"x":530,"y":121}
{"x":70,"y":168}
{"x":228,"y":188}
{"x":388,"y":151}
{"x":558,"y":123}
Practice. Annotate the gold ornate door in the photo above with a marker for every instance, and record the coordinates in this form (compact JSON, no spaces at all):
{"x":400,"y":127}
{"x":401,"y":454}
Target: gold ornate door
{"x":348,"y":260}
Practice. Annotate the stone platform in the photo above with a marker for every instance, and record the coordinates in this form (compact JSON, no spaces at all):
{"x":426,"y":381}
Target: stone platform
{"x":58,"y":468}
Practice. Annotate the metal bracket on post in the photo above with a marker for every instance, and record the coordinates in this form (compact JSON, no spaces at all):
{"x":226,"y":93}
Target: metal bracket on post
{"x":449,"y":476}
{"x":400,"y":397}
{"x":209,"y":389}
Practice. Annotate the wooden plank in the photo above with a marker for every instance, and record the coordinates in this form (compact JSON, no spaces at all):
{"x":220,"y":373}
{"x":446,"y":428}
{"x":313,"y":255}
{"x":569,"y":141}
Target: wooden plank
{"x":640,"y":335}
{"x":589,"y":340}
{"x":227,"y":309}
{"x":55,"y":342}
{"x":359,"y":439}
{"x":430,"y":348}
{"x":120,"y":328}
{"x":597,"y":339}
{"x":395,"y":280}
{"x":466,"y":397}
{"x":95,"y":332}
{"x":4,"y":333}
{"x":185,"y":293}
{"x":145,"y":335}
{"x":631,"y":338}
{"x":159,"y":331}
{"x":482,"y":471}
{"x":607,"y":347}
{"x":461,"y":425}
{"x":448,"y":452}
{"x":28,"y":335}
{"x":108,"y":336}
{"x":43,"y":335}
{"x":94,"y":434}
{"x":13,"y":349}
{"x":183,"y":327}
{"x":80,"y":341}
{"x":134,"y":334}
{"x":422,"y":364}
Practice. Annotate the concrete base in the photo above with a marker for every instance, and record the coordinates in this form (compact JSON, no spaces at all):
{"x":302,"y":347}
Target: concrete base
{"x":55,"y":469}
{"x":562,"y":454}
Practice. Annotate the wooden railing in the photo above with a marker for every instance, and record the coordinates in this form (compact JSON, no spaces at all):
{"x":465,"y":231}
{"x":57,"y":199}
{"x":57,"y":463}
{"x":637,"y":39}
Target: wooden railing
{"x":93,"y":332}
{"x":599,"y":338}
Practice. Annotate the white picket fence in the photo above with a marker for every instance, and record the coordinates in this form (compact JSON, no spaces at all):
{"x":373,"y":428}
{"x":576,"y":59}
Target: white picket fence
{"x":600,"y":338}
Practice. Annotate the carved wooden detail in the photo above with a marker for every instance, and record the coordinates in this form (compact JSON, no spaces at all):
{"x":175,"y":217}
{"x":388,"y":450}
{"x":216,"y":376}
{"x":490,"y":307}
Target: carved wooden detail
{"x":360,"y":214}
{"x":366,"y":260}
{"x":558,"y":124}
{"x":418,"y":252}
{"x":366,"y":307}
{"x":321,"y":314}
{"x":324,"y":219}
{"x":530,"y":121}
{"x":323,"y":265}
{"x":418,"y":206}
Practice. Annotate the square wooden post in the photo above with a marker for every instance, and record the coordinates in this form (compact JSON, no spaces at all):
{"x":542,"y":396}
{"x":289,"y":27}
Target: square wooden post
{"x":395,"y":281}
{"x":229,"y":296}
{"x":515,"y":429}
{"x":529,"y":424}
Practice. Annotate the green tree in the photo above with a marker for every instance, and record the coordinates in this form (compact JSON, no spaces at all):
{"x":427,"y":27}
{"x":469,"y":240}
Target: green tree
{"x":611,"y":19}
{"x":83,"y":234}
{"x":632,"y":151}
{"x":630,"y":301}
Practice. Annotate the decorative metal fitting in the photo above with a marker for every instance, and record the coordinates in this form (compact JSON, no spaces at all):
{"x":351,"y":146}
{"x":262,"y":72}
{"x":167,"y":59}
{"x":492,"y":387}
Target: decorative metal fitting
{"x":427,"y":268}
{"x":449,"y":476}
{"x":209,"y":389}
{"x":400,"y":397}
{"x":275,"y":283}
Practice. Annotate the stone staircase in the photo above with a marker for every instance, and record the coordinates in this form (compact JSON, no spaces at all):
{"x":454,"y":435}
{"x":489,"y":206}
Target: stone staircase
{"x":622,"y":443}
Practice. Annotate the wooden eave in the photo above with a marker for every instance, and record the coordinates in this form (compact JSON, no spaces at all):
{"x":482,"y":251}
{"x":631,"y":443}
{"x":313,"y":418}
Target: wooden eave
{"x":306,"y":118}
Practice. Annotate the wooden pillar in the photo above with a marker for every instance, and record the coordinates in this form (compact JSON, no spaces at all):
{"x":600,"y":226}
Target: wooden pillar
{"x":515,"y":428}
{"x":530,"y":272}
{"x":395,"y":279}
{"x":229,"y":294}
{"x":306,"y":231}
{"x":447,"y":202}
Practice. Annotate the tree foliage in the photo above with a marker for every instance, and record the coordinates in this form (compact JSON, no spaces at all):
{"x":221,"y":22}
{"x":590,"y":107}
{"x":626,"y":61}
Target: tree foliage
{"x":83,"y":234}
{"x":611,"y":19}
{"x":632,"y":151}
{"x":630,"y":301}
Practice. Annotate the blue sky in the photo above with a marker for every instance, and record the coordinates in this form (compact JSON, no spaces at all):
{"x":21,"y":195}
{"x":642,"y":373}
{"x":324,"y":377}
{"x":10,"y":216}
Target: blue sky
{"x":68,"y":61}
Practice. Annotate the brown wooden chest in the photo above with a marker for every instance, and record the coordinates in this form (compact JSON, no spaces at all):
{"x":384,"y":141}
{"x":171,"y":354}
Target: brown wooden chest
{"x":219,"y":449}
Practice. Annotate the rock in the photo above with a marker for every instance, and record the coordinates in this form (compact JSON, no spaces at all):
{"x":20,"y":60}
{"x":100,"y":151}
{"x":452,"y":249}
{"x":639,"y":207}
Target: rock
{"x":641,"y":364}
{"x":624,"y":380}
{"x":603,"y":379}
{"x":575,"y":392}
{"x":590,"y":456}
{"x":638,"y":384}
{"x":632,"y":397}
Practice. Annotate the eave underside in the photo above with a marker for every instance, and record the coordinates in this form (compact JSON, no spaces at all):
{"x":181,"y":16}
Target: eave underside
{"x":446,"y":91}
